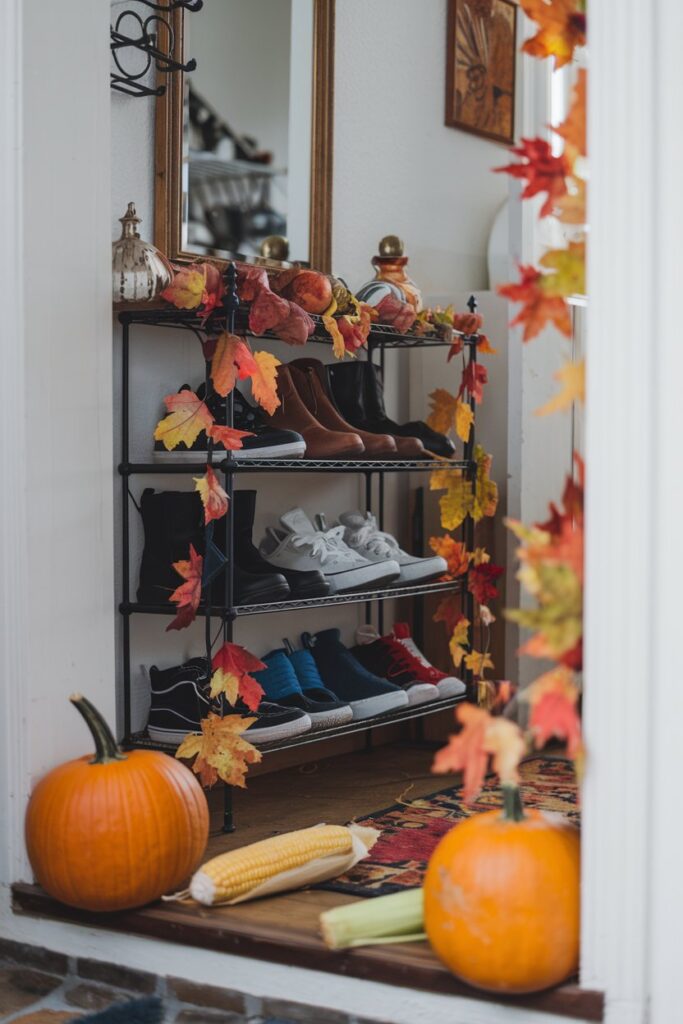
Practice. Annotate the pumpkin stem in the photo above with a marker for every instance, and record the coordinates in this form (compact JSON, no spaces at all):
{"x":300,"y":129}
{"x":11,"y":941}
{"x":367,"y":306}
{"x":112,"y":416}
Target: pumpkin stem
{"x":105,"y":745}
{"x":513,"y":809}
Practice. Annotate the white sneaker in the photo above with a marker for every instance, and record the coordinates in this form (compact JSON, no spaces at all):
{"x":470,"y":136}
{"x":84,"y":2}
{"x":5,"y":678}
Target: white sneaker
{"x":361,"y":534}
{"x":300,"y":546}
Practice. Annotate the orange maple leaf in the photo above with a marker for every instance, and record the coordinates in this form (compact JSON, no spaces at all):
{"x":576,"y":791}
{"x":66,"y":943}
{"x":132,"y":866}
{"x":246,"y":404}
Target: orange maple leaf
{"x":554,"y":712}
{"x":220,"y":751}
{"x":474,"y":376}
{"x":467,"y":323}
{"x":485,"y":346}
{"x":561,"y":28}
{"x":572,"y":376}
{"x":466,"y":752}
{"x":453,"y":551}
{"x":539,"y":308}
{"x":264,"y":381}
{"x":573,"y":129}
{"x":449,"y":611}
{"x":542,"y":171}
{"x":188,"y":416}
{"x":187,"y":288}
{"x":214,"y":498}
{"x":231,"y":667}
{"x":188,"y":595}
{"x":232,"y":360}
{"x":229,"y":437}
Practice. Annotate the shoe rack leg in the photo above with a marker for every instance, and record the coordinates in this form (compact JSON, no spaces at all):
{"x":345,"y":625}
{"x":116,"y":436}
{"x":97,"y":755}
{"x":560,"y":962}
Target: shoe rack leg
{"x":125,"y":525}
{"x":368,"y":508}
{"x":380,"y":607}
{"x":228,"y":817}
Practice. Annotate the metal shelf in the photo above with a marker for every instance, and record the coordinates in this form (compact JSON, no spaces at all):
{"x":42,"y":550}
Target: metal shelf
{"x":354,"y":597}
{"x":380,"y":334}
{"x":140,"y":741}
{"x":296,"y":466}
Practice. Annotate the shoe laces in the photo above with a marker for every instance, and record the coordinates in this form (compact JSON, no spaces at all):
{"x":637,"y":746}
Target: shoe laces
{"x":410,"y":645}
{"x":369,"y":537}
{"x":402,"y":659}
{"x":323,"y":544}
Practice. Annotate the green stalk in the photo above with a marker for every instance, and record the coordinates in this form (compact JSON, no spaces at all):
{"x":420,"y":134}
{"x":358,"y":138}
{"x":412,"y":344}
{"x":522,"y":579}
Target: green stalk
{"x":513,"y":809}
{"x":106,"y":749}
{"x":373,"y":922}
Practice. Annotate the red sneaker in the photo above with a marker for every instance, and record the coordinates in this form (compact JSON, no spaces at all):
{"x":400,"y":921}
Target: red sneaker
{"x":448,"y":686}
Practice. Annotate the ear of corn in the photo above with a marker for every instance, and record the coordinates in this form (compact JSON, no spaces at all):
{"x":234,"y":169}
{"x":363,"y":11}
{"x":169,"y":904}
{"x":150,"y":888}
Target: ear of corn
{"x":394,"y":918}
{"x":287,"y":861}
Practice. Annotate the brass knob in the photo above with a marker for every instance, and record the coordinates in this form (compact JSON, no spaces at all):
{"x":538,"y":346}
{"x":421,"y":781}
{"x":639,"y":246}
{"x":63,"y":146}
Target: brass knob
{"x":275,"y":247}
{"x":391,"y":246}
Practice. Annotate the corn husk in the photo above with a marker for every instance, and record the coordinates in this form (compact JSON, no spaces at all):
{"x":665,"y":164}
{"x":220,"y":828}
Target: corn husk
{"x":375,"y":922}
{"x":318,"y":869}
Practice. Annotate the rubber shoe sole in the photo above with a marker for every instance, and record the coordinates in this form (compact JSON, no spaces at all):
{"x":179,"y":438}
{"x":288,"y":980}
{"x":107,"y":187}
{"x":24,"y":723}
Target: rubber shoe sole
{"x":283,"y":731}
{"x":422,"y":693}
{"x":451,"y":687}
{"x":364,"y":577}
{"x":331,"y":719}
{"x":370,"y":707}
{"x":294,"y":450}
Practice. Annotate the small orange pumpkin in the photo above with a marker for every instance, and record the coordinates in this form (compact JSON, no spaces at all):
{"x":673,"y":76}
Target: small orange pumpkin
{"x":501,"y":899}
{"x":115,"y":830}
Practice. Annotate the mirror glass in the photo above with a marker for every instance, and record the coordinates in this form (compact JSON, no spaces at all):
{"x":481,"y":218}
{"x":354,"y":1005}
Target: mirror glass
{"x":247,"y":127}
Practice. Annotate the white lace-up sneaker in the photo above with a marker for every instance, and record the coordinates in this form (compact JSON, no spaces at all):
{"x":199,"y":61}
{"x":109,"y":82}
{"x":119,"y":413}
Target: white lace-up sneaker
{"x":299,"y":545}
{"x":361,"y":534}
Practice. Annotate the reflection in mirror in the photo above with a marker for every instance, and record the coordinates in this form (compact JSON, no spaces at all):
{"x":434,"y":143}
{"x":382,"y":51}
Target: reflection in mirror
{"x":247,"y":127}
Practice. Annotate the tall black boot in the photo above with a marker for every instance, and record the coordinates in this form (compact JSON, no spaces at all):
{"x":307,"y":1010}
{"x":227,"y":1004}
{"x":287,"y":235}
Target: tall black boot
{"x":349,"y":385}
{"x":172,"y":521}
{"x":248,"y":559}
{"x":373,"y":395}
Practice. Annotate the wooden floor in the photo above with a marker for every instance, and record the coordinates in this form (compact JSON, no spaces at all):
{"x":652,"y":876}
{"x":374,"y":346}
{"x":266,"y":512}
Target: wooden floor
{"x":284,"y":929}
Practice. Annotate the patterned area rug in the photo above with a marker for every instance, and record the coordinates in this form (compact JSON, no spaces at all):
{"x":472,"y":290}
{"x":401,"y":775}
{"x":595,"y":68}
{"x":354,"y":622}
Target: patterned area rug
{"x":410,"y":831}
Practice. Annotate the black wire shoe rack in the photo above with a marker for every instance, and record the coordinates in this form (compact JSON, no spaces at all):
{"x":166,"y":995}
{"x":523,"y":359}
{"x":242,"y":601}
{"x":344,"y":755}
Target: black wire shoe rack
{"x":233,"y":317}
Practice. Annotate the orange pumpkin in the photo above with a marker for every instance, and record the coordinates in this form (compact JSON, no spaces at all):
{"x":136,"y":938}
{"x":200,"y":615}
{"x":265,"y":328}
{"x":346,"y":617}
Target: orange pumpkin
{"x":501,"y":899}
{"x":115,"y":830}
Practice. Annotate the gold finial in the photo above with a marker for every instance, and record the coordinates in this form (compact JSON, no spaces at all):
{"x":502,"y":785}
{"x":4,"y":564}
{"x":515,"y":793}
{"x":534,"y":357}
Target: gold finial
{"x":275,"y":247}
{"x":391,"y":246}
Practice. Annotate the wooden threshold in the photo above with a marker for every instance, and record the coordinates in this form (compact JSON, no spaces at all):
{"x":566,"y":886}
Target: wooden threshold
{"x":284,"y":929}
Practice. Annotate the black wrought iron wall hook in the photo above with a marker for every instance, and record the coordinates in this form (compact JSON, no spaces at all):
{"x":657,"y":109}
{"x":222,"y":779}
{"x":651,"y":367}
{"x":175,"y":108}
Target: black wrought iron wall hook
{"x":133,"y":32}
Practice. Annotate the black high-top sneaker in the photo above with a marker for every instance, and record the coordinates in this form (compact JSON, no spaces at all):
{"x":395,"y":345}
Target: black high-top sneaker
{"x":172,"y":521}
{"x":266,"y":442}
{"x":180,"y":699}
{"x":302,"y":584}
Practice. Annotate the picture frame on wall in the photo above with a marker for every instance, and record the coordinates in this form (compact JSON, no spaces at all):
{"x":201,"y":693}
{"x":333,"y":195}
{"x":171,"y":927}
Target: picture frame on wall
{"x":481,"y":68}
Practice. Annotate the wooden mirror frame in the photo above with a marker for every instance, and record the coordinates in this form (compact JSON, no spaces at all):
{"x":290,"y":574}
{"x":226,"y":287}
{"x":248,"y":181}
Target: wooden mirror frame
{"x":169,"y":146}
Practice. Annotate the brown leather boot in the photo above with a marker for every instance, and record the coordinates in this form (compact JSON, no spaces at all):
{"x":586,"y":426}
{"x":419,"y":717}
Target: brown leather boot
{"x":310,"y":381}
{"x":320,"y":442}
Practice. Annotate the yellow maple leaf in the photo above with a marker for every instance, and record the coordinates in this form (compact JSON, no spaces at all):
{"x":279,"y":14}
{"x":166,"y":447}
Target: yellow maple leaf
{"x":214,"y":498}
{"x":479,"y":556}
{"x":332,"y":328}
{"x":478,"y":662}
{"x":485,"y":494}
{"x":561,"y":28}
{"x":505,"y":741}
{"x":187,"y":289}
{"x":456,"y":503}
{"x":227,"y":683}
{"x":442,"y":417}
{"x":464,"y":418}
{"x":219,"y":751}
{"x":461,"y":635}
{"x":188,"y":417}
{"x":572,"y":376}
{"x":569,"y":266}
{"x":264,"y":381}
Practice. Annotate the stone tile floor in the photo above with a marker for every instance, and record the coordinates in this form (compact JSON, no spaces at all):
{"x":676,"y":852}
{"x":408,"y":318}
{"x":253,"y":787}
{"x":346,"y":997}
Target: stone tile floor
{"x":38,"y":986}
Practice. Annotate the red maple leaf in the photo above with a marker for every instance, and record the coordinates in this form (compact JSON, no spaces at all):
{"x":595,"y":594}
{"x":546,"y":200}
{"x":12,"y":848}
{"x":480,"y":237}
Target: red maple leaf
{"x":297,"y":326}
{"x":555,"y":714}
{"x":467,"y":752}
{"x":542,"y":171}
{"x":398,"y":314}
{"x":231,"y":667}
{"x":268,"y":310}
{"x":467,"y":323}
{"x":481,"y":581}
{"x":188,"y":595}
{"x":539,"y":308}
{"x":449,"y":612}
{"x":251,"y":281}
{"x":474,"y":376}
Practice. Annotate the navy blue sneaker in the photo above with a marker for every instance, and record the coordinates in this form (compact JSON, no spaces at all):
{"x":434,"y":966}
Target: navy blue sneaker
{"x":281,"y":685}
{"x":367,"y":694}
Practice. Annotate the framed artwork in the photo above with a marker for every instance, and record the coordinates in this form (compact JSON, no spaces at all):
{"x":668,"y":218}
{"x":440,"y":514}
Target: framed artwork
{"x":480,"y":68}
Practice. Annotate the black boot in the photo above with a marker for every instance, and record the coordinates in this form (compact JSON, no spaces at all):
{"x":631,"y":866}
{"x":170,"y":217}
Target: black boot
{"x":301,"y":584}
{"x":348,"y":384}
{"x":437,"y":444}
{"x":172,"y":521}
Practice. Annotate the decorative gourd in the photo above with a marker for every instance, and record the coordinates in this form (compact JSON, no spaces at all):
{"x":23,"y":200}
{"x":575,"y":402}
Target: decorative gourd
{"x":115,"y":830}
{"x":501,"y":899}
